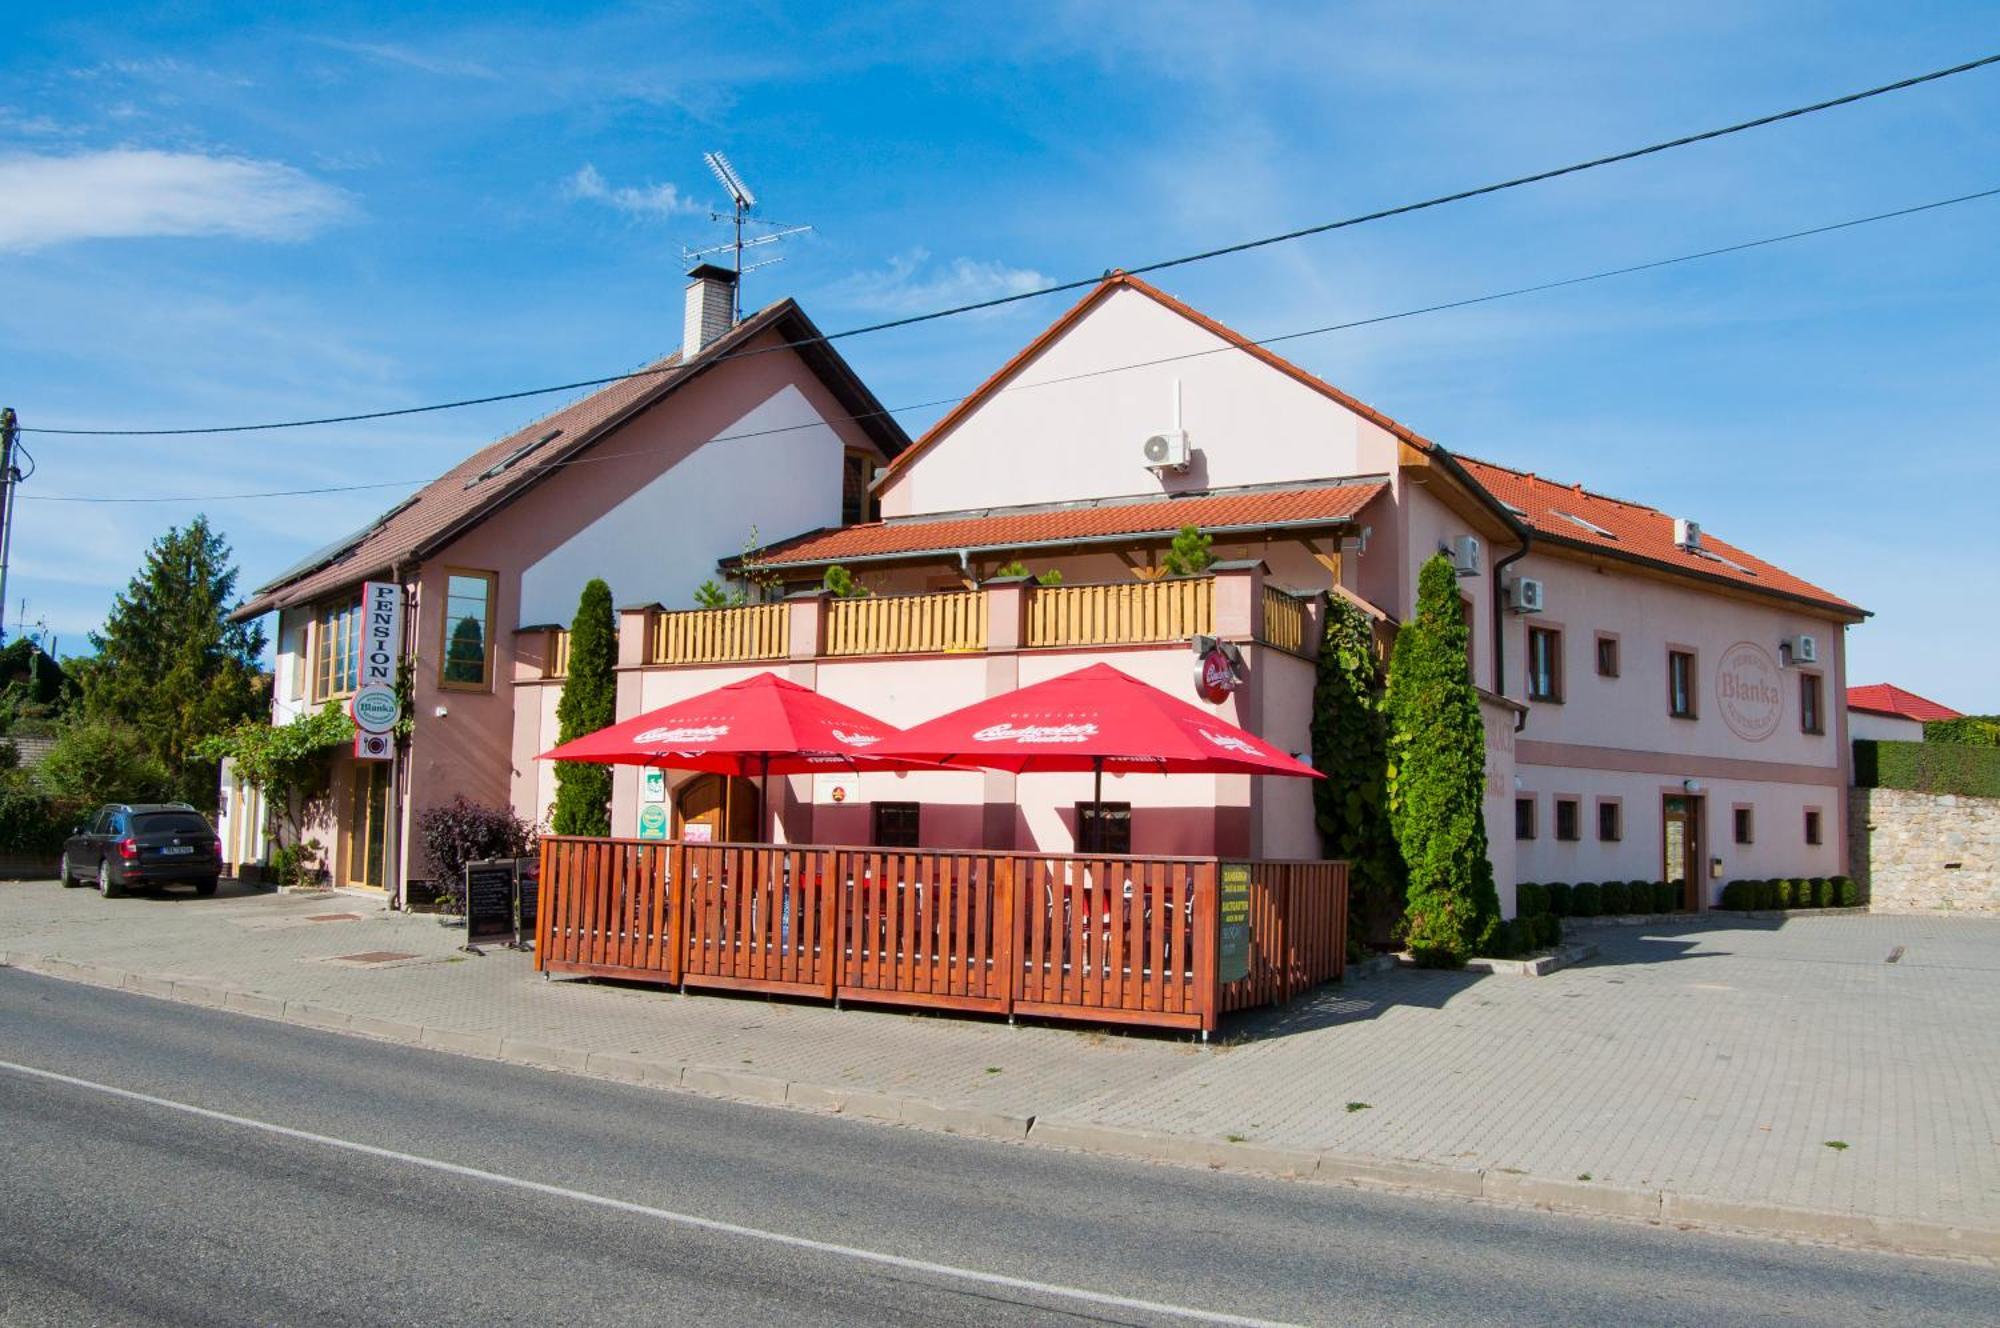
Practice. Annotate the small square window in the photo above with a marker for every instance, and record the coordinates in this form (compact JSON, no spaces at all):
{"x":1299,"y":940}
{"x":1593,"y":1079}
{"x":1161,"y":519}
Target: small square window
{"x":1745,"y":826}
{"x":1610,"y":821}
{"x":896,"y":824}
{"x":1567,"y":818}
{"x":1607,"y":656}
{"x":1106,"y":828}
{"x":1812,"y":825}
{"x":1524,"y":818}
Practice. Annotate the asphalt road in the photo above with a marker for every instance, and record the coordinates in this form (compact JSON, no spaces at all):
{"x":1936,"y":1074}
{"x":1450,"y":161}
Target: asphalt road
{"x":195,"y":1167}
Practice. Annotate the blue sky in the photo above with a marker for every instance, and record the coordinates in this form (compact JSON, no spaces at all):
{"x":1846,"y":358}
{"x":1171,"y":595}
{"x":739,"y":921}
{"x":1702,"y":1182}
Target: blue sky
{"x":217,"y":213}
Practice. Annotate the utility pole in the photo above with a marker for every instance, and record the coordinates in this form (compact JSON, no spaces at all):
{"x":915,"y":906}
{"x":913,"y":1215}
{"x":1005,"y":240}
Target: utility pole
{"x":10,"y":475}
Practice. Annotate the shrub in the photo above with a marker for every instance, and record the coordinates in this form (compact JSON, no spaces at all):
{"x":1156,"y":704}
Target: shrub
{"x":296,"y":864}
{"x":1531,"y":899}
{"x":1613,"y":899}
{"x":1846,"y":891}
{"x":1736,"y":895}
{"x":1971,"y":730}
{"x":464,"y":831}
{"x":1928,"y":767}
{"x":1767,"y":894}
{"x":1561,"y":903}
{"x":1802,"y":892}
{"x":95,"y":761}
{"x":33,"y":824}
{"x":1548,"y":931}
{"x":1585,"y":900}
{"x":1822,"y":892}
{"x":1666,"y":897}
{"x":588,"y":703}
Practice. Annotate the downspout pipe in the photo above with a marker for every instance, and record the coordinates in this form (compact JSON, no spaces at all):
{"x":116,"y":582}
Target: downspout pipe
{"x":1523,"y":536}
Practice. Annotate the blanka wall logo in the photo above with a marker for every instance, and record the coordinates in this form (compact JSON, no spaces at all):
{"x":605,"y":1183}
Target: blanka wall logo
{"x":1748,"y":691}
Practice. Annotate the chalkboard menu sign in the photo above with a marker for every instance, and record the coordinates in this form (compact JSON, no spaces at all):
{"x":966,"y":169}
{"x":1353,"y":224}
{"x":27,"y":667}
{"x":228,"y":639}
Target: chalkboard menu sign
{"x":489,"y":899}
{"x":1232,"y":954}
{"x":528,"y":875}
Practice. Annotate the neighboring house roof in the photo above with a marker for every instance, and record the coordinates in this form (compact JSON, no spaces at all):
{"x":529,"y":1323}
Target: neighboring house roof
{"x":1883,"y":698}
{"x":1573,"y":516}
{"x":501,"y":471}
{"x":1010,"y":529}
{"x":1126,"y":281}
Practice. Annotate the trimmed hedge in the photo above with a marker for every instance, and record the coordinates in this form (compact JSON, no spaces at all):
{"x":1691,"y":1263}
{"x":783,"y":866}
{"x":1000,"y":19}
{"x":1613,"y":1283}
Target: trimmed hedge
{"x":1561,"y":902}
{"x":1928,"y":767}
{"x":1815,"y":892}
{"x":1530,"y":899}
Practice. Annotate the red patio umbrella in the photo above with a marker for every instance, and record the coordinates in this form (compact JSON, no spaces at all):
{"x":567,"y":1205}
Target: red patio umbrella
{"x":1093,"y":719}
{"x":763,"y":725}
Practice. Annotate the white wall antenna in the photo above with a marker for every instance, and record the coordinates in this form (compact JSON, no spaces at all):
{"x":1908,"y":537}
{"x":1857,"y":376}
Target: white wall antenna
{"x":742,"y":203}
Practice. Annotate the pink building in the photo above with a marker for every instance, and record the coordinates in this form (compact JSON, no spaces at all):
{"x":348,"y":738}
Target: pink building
{"x":1658,"y":703}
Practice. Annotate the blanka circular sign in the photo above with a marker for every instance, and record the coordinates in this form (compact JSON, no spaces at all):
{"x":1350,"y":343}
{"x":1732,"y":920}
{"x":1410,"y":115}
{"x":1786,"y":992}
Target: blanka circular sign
{"x":1748,"y":693}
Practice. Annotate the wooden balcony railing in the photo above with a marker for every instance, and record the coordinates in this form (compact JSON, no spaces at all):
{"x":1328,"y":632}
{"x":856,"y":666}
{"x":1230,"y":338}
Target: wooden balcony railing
{"x":720,"y":636}
{"x":1106,"y":940}
{"x":1287,"y":621}
{"x":907,"y":624}
{"x":1121,"y":612}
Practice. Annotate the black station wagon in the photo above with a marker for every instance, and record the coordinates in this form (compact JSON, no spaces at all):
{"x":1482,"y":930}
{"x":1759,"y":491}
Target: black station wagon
{"x":131,"y":844}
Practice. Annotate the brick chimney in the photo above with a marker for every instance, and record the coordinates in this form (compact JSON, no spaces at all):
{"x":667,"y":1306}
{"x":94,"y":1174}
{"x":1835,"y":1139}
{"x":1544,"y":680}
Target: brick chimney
{"x":711,"y":307}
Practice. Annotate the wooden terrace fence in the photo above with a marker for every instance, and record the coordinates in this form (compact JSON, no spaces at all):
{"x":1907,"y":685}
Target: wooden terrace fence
{"x":952,"y":620}
{"x":1122,"y":940}
{"x":713,"y":636}
{"x":1120,"y":612}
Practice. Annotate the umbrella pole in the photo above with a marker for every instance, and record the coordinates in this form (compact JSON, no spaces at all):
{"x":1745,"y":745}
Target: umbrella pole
{"x":764,"y":799}
{"x":1097,"y":803}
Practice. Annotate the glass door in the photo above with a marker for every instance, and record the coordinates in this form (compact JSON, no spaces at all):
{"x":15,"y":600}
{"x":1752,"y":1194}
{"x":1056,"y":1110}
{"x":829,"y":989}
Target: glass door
{"x":368,"y":825}
{"x":1680,"y":847}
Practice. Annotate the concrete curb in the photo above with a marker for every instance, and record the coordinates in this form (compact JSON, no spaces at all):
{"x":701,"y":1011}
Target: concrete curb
{"x":1497,"y":1185}
{"x":1569,"y":952}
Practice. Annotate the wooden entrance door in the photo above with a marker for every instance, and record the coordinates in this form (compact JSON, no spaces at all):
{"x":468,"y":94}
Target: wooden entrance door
{"x":719,"y":808}
{"x":367,"y":828}
{"x":1680,"y":846}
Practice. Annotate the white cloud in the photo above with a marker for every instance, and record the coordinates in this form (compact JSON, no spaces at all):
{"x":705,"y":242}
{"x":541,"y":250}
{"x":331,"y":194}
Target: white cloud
{"x":393,"y":54}
{"x":655,"y":200}
{"x":127,"y":193}
{"x":911,"y":283}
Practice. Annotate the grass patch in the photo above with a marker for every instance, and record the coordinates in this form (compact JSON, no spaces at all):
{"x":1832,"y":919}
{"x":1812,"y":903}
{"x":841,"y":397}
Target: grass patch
{"x":1237,"y":1138}
{"x":992,"y":1069}
{"x":1583,"y":1175}
{"x":1837,"y":1145}
{"x":1353,"y":1107}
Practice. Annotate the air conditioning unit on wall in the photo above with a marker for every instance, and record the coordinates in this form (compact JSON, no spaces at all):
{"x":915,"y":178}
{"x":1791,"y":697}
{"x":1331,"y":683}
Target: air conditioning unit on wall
{"x":1803,"y":649}
{"x":1524,"y":595}
{"x":1464,"y":553}
{"x":1167,"y":451}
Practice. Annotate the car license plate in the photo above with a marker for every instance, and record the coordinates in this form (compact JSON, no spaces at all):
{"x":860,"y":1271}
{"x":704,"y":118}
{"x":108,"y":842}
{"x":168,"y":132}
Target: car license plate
{"x":178,"y":848}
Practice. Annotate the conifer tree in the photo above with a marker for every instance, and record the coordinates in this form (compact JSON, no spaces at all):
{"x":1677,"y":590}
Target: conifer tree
{"x":589,"y":703}
{"x":169,"y":662}
{"x":1437,"y":778}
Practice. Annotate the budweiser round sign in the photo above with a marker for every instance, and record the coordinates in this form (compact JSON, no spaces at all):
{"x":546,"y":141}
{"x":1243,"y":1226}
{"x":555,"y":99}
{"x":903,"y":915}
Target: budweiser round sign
{"x":1215,"y":675}
{"x":1748,"y":691}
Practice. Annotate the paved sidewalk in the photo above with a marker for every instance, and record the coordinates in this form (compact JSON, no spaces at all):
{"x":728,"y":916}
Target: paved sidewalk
{"x":1693,"y":1073}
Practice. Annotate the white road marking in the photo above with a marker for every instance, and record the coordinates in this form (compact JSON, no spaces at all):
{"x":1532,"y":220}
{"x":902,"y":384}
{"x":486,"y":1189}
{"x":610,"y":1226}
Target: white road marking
{"x":662,"y":1214}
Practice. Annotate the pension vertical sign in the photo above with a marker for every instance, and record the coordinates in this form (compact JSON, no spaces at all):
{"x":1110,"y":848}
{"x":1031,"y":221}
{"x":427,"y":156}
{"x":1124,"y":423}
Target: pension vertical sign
{"x":376,"y":707}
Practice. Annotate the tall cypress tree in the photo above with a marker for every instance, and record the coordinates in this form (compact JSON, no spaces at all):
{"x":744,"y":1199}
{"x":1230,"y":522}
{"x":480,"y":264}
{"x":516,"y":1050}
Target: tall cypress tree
{"x":1437,"y":777}
{"x":1350,"y":737}
{"x":589,"y":703}
{"x":170,"y":663}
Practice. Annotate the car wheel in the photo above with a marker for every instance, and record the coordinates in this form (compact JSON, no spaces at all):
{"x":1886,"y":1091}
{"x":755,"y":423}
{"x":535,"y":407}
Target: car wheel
{"x":107,"y":887}
{"x":68,"y":876}
{"x":205,"y":886}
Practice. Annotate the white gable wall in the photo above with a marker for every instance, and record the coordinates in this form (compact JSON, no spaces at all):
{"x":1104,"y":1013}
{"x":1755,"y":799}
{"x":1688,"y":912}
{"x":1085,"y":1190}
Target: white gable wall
{"x":1247,"y":422}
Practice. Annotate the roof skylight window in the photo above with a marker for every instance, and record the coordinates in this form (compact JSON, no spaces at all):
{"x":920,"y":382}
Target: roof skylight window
{"x":1590,"y":526}
{"x":504,"y":462}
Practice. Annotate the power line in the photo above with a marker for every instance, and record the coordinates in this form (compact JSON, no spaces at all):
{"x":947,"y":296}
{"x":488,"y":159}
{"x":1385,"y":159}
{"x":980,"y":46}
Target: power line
{"x":1079,"y":283}
{"x":1373,"y":320}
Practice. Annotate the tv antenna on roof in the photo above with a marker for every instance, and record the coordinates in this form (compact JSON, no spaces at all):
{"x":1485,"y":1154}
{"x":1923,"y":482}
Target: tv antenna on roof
{"x":743,"y":202}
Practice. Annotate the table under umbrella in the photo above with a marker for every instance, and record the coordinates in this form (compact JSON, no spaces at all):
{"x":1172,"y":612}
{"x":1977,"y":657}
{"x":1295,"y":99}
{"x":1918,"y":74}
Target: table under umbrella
{"x":1094,"y":719}
{"x":761,"y":726}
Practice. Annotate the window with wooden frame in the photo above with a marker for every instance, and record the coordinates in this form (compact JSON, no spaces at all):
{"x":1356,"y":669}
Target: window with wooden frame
{"x":1812,"y":825}
{"x":465,"y":655}
{"x":337,"y":649}
{"x":896,"y":824}
{"x":296,"y":662}
{"x":1569,"y":815}
{"x":856,"y":503}
{"x":1607,"y":655}
{"x":1746,"y":824}
{"x":1610,"y":820}
{"x":1524,"y":818}
{"x":1812,"y":717}
{"x":1680,"y":684}
{"x":1104,"y":827}
{"x":1545,"y":673}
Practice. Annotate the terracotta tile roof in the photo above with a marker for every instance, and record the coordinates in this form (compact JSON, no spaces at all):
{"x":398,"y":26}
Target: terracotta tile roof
{"x":1882,"y":698}
{"x":1575,"y":516}
{"x":1126,"y":281}
{"x":467,"y":492}
{"x":1005,"y":529}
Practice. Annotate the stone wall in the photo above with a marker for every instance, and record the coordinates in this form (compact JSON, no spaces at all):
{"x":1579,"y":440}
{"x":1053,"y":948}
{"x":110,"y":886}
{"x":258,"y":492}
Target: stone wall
{"x":1926,"y":850}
